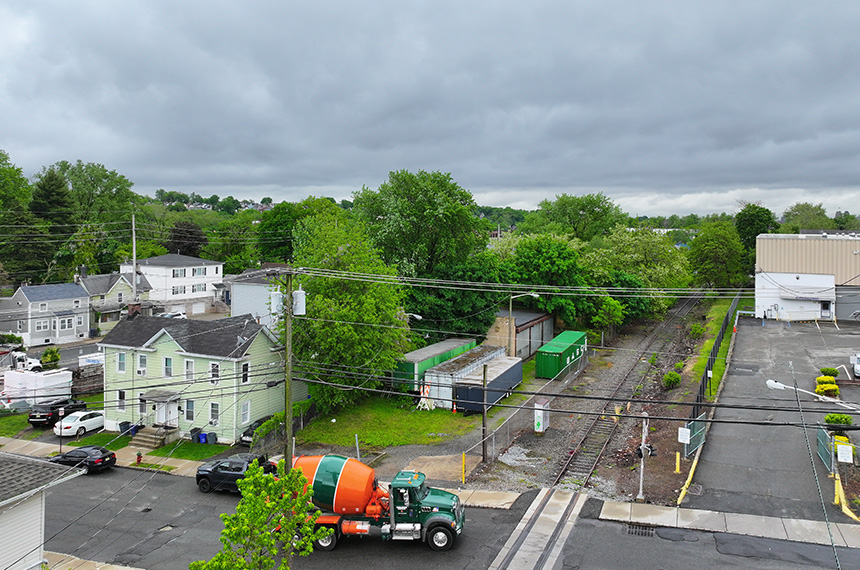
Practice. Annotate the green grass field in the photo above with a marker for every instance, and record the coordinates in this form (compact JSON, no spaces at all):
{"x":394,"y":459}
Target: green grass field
{"x":107,"y":440}
{"x":184,"y":449}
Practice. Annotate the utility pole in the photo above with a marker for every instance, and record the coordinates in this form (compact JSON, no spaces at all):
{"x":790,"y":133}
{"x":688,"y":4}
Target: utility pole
{"x":288,"y":373}
{"x":133,"y":260}
{"x":484,"y":420}
{"x":643,"y":450}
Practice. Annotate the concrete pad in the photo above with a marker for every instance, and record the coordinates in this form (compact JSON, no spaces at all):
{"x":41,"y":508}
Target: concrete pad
{"x":490,"y":499}
{"x":445,"y":467}
{"x":850,"y":534}
{"x":644,"y":513}
{"x":615,"y":511}
{"x":754,"y":525}
{"x":702,"y":520}
{"x":63,"y":561}
{"x":814,"y":532}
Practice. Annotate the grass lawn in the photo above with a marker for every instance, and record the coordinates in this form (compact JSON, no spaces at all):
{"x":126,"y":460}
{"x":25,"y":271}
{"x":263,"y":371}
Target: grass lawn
{"x":383,"y":422}
{"x":184,"y":449}
{"x":107,"y":440}
{"x":715,"y":318}
{"x":94,"y":401}
{"x":11,"y":424}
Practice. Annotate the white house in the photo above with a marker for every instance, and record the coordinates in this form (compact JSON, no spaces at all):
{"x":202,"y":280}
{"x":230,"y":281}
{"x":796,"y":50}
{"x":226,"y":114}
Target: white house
{"x":183,"y":283}
{"x":258,"y":295}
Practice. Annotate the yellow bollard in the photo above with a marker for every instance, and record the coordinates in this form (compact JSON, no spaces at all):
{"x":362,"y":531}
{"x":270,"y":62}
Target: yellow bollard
{"x":677,"y":462}
{"x":464,"y":468}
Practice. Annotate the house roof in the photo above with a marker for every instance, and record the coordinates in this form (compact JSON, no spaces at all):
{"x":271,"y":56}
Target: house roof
{"x":102,"y":284}
{"x":22,"y":476}
{"x":53,"y":292}
{"x":222,"y":338}
{"x":176,"y":260}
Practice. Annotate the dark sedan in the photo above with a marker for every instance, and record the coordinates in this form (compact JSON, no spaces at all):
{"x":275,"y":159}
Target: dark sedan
{"x":91,"y":458}
{"x":222,"y":474}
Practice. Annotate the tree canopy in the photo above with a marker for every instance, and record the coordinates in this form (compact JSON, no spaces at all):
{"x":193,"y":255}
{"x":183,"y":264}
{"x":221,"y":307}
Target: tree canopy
{"x":717,"y":255}
{"x":806,"y":216}
{"x":582,"y":217}
{"x":752,"y":220}
{"x":14,"y":187}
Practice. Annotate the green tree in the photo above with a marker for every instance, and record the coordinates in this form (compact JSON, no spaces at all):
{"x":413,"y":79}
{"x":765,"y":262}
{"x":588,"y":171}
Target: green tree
{"x":846,"y":221}
{"x":608,"y":315}
{"x":752,"y":220}
{"x":234,"y":242}
{"x":356,"y":330}
{"x":92,"y":247}
{"x":274,"y":516}
{"x":717,"y":255}
{"x":806,"y":216}
{"x":582,"y":217}
{"x":53,"y":202}
{"x":275,"y":230}
{"x":50,"y":359}
{"x":186,"y":238}
{"x":26,"y":247}
{"x":15,"y":190}
{"x":420,"y":221}
{"x":228,"y":205}
{"x":99,"y":194}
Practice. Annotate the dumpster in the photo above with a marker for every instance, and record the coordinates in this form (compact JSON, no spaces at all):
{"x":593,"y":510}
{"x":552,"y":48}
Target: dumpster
{"x":202,"y":437}
{"x":124,"y":427}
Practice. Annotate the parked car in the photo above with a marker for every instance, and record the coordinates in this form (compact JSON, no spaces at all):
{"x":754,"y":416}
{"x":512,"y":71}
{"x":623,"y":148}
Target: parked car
{"x":173,"y":315}
{"x":49,"y":413}
{"x":222,"y":474}
{"x":78,"y":423}
{"x":91,"y":458}
{"x":247,"y":436}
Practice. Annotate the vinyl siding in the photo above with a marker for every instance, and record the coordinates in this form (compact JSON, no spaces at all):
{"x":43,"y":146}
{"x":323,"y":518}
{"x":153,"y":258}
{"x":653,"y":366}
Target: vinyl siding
{"x":22,"y":533}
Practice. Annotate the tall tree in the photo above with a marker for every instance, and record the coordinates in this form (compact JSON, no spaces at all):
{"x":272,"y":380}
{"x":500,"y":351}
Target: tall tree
{"x":806,"y":216}
{"x":15,"y":190}
{"x":581,"y":217}
{"x":717,"y":255}
{"x":275,"y":231}
{"x":53,"y":202}
{"x":26,"y":247}
{"x":421,"y":220}
{"x":186,"y":238}
{"x":356,"y":330}
{"x":752,"y":220}
{"x":234,"y":242}
{"x":100,"y":195}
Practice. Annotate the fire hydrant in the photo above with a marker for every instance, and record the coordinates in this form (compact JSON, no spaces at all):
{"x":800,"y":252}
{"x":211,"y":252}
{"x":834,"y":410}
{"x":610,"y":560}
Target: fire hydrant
{"x":139,"y":457}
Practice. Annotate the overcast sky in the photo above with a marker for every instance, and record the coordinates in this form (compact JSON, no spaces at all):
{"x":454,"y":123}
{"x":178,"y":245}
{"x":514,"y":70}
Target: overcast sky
{"x":665,"y":107}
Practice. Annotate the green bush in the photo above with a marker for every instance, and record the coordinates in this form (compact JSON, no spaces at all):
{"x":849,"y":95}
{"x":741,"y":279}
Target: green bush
{"x":697,"y":331}
{"x":50,"y":358}
{"x":679,"y":366}
{"x":830,"y":372}
{"x":830,"y":390}
{"x":825,"y":380}
{"x":671,"y":380}
{"x":838,"y":421}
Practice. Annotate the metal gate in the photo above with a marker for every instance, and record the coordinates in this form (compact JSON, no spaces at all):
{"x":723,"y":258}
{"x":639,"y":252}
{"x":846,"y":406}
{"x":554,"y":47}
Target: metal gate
{"x":697,"y":435}
{"x":824,"y":445}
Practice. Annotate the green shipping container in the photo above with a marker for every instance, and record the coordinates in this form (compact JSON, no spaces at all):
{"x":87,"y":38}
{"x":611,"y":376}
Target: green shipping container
{"x":560,"y":353}
{"x":410,"y":371}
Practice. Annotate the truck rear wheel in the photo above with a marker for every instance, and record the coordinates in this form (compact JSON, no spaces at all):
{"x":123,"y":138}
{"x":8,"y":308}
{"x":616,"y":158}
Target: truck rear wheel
{"x":328,"y":542}
{"x":440,"y":538}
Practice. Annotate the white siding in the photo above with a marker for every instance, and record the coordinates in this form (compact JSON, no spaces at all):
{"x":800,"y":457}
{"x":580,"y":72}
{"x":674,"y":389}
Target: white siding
{"x":22,"y":533}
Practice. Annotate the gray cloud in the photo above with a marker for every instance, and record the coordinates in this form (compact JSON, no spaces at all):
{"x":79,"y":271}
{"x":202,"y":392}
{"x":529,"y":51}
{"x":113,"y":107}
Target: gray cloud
{"x":664,"y":107}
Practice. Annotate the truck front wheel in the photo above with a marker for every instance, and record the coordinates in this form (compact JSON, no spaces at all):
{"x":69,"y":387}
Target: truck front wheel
{"x":326,"y":543}
{"x":440,"y":538}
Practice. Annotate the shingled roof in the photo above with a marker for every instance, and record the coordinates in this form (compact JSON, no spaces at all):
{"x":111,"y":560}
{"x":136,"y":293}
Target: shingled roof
{"x":22,"y":476}
{"x":102,"y":284}
{"x":222,"y":338}
{"x":176,"y":260}
{"x":53,"y":292}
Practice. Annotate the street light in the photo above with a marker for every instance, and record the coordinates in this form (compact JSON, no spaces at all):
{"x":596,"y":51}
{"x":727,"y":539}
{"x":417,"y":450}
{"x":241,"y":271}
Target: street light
{"x":774,"y":385}
{"x":512,"y":341}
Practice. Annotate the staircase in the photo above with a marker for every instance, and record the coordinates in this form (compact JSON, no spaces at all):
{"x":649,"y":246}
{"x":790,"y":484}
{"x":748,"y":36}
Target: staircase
{"x":152,"y":437}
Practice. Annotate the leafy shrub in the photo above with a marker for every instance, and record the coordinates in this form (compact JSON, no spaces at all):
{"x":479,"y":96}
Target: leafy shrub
{"x":697,"y":331}
{"x":834,"y":372}
{"x":653,"y":360}
{"x":842,"y":438}
{"x":830,"y":390}
{"x":671,"y":380}
{"x":825,"y":380}
{"x":11,"y":339}
{"x":679,"y":366}
{"x":50,"y":358}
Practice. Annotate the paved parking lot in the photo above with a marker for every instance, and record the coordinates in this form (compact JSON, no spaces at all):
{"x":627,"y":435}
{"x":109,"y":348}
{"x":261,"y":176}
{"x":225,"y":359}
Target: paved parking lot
{"x":768,"y":469}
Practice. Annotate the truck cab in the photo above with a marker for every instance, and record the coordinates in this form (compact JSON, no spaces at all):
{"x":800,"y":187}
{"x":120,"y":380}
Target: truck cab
{"x":424,"y":513}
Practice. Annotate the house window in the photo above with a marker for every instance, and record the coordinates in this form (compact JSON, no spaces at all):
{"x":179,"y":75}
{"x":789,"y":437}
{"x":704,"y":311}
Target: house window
{"x":189,"y":371}
{"x":119,"y":297}
{"x":198,"y":271}
{"x":168,"y":367}
{"x":179,"y":273}
{"x":178,"y":289}
{"x":198,"y":287}
{"x":77,"y":303}
{"x":214,"y":372}
{"x":246,"y":369}
{"x":141,"y":405}
{"x":216,"y":270}
{"x":120,"y":362}
{"x":246,"y":411}
{"x":101,"y":297}
{"x":80,"y":321}
{"x":42,"y":325}
{"x":120,"y":400}
{"x":141,"y":364}
{"x":66,"y":324}
{"x":189,"y":410}
{"x":43,"y":307}
{"x":54,"y":324}
{"x":214,"y":412}
{"x":20,"y":325}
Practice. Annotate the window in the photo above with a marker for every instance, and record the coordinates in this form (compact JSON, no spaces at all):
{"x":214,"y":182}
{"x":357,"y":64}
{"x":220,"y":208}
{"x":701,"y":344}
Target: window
{"x":168,"y":367}
{"x":141,"y":363}
{"x":189,"y":410}
{"x":246,"y":368}
{"x":43,"y":307}
{"x":141,"y":405}
{"x":101,"y":297}
{"x":178,"y":289}
{"x":80,"y":321}
{"x":198,"y":271}
{"x":20,"y":325}
{"x":54,"y":324}
{"x":120,"y":400}
{"x":66,"y":324}
{"x":42,"y":325}
{"x":246,"y":411}
{"x":198,"y":287}
{"x":214,"y":412}
{"x":189,"y":371}
{"x":214,"y":372}
{"x":216,"y":270}
{"x":179,"y":273}
{"x":76,"y":303}
{"x":119,"y":297}
{"x":120,"y":362}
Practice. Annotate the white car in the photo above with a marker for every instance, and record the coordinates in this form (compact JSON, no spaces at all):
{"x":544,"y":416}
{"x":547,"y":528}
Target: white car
{"x":78,"y":423}
{"x":173,"y":315}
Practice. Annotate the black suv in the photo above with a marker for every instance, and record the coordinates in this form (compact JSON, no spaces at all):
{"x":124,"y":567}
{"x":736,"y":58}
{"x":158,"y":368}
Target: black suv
{"x":222,"y":474}
{"x":48,"y":413}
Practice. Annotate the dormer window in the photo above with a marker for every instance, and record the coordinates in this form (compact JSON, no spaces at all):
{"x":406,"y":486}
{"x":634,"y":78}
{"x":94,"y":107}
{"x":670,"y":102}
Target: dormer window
{"x":43,"y":307}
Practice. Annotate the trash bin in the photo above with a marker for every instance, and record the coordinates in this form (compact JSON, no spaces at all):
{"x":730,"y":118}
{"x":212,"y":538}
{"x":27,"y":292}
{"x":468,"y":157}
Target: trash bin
{"x":195,"y":435}
{"x":212,"y":437}
{"x":134,"y":430}
{"x":124,"y":427}
{"x":202,"y":436}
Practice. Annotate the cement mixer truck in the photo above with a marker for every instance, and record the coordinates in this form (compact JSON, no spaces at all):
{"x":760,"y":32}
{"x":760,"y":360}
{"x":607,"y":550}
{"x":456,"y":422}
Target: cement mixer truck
{"x":353,"y":504}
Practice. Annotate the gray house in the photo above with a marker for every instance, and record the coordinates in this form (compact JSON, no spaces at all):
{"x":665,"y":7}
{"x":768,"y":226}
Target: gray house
{"x":47,"y":314}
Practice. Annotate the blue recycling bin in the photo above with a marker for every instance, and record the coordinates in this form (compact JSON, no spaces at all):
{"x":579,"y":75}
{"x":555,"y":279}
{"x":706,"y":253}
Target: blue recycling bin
{"x":134,"y":429}
{"x":202,"y":436}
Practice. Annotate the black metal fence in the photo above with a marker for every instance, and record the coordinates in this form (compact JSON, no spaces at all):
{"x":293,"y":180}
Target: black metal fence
{"x":705,"y":382}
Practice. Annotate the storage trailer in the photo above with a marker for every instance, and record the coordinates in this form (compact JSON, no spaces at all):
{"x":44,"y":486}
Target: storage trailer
{"x":411,"y":370}
{"x":562,"y":352}
{"x":504,"y":373}
{"x":440,"y":380}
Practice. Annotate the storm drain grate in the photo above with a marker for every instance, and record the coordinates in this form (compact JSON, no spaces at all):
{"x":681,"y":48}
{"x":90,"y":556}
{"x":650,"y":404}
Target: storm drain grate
{"x":640,"y":530}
